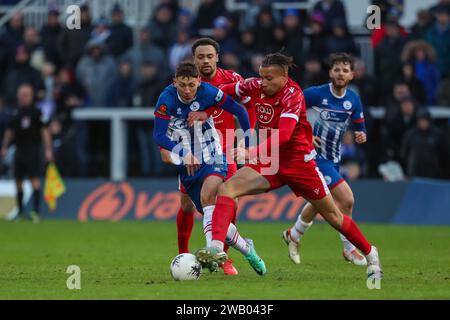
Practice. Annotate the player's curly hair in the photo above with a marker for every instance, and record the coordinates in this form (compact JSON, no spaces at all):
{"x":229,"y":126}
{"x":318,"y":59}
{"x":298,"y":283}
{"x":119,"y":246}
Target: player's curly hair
{"x":187,"y":69}
{"x":278,"y":59}
{"x":205,"y":42}
{"x":341,"y":57}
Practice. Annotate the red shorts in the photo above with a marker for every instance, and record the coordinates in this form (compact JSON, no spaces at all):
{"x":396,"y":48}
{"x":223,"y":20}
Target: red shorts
{"x":304,"y":179}
{"x":232,"y":168}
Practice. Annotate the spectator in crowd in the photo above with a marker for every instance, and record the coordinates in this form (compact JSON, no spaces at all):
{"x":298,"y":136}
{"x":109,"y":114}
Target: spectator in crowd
{"x":121,"y":38}
{"x":11,"y":36}
{"x":443,"y":92}
{"x":353,"y":158}
{"x":96,"y":71}
{"x":294,"y":36}
{"x":32,"y":44}
{"x":424,"y":149}
{"x":220,"y":34}
{"x":263,"y":29}
{"x":49,"y":34}
{"x":251,"y":13}
{"x":231,"y":62}
{"x":279,"y":41}
{"x":330,"y":9}
{"x":379,"y":34}
{"x":439,"y":37}
{"x":71,"y":43}
{"x":69,"y":136}
{"x":387,"y":55}
{"x":365,"y":85}
{"x":162,"y":27}
{"x":399,"y":91}
{"x":207,"y":12}
{"x":396,"y":128}
{"x":185,"y":21}
{"x":47,"y":103}
{"x":246,"y":49}
{"x":318,"y":46}
{"x":420,"y":28}
{"x":20,"y":73}
{"x":408,"y":76}
{"x":150,"y":87}
{"x":422,"y":56}
{"x":441,"y":4}
{"x":101,"y":31}
{"x":313,"y":74}
{"x":180,"y":50}
{"x":122,"y":89}
{"x":147,"y":50}
{"x":340,"y":40}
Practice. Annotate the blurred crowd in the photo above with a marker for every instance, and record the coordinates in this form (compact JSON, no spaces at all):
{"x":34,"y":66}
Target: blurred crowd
{"x":106,"y":64}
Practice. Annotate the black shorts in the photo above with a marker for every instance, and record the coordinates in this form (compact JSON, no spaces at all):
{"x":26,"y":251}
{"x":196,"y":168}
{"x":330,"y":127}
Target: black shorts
{"x":27,"y":162}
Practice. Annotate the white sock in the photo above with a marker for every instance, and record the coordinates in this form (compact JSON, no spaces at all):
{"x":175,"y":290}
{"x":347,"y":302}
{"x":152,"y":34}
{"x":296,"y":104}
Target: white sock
{"x":207,"y":223}
{"x":217,"y":244}
{"x":348,"y":246}
{"x":299,"y":228}
{"x":372,"y":257}
{"x":235,"y":240}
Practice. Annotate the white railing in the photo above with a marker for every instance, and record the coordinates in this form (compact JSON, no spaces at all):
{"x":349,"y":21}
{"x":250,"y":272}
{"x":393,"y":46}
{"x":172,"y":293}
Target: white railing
{"x":119,"y":118}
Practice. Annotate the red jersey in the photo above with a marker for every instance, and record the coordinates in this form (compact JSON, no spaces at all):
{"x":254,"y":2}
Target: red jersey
{"x":224,"y":120}
{"x":288,"y":102}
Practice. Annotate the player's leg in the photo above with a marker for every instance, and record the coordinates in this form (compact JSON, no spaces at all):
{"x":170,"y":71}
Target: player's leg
{"x":343,"y":197}
{"x":246,"y":181}
{"x":19,"y":175}
{"x":185,"y":222}
{"x":19,"y":197}
{"x":227,"y":266}
{"x":293,"y":235}
{"x":35,"y":213}
{"x":344,"y":224}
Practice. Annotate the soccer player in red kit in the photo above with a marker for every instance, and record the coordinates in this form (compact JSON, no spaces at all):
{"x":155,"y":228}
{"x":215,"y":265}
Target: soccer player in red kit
{"x":205,"y":52}
{"x":280,"y":108}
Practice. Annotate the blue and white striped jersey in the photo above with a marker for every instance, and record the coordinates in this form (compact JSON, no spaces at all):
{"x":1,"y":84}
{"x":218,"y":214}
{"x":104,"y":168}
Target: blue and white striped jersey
{"x":202,"y":140}
{"x":330,"y":116}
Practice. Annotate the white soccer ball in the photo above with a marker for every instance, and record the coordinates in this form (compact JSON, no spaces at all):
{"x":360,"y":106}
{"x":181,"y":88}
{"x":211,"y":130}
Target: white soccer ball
{"x":185,"y":267}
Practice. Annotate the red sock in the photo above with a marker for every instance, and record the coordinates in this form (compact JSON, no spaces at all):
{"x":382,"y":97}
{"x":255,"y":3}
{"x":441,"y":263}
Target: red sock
{"x":185,"y":222}
{"x":223,"y":214}
{"x":351,"y":231}
{"x":226,"y":247}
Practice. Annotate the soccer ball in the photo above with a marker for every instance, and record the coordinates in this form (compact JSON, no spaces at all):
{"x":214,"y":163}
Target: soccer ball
{"x":185,"y":267}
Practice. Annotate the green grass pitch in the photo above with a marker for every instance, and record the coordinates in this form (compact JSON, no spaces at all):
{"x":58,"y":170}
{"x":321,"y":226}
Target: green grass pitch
{"x":130,"y":260}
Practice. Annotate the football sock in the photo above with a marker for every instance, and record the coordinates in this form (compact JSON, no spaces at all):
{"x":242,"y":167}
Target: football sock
{"x":226,"y":247}
{"x":19,"y":200}
{"x":299,"y":228}
{"x":36,"y":200}
{"x":351,"y":231}
{"x":347,"y":244}
{"x":223,"y":215}
{"x":185,"y":222}
{"x":235,"y":240}
{"x":207,"y":223}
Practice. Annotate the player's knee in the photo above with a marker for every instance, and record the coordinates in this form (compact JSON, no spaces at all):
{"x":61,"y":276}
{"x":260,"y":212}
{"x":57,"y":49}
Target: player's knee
{"x":208,"y":197}
{"x":226,"y":189}
{"x":333,"y":217}
{"x":187,"y":205}
{"x":346,"y":205}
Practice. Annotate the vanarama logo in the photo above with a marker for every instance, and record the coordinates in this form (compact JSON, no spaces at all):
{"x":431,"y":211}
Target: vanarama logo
{"x":118,"y":201}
